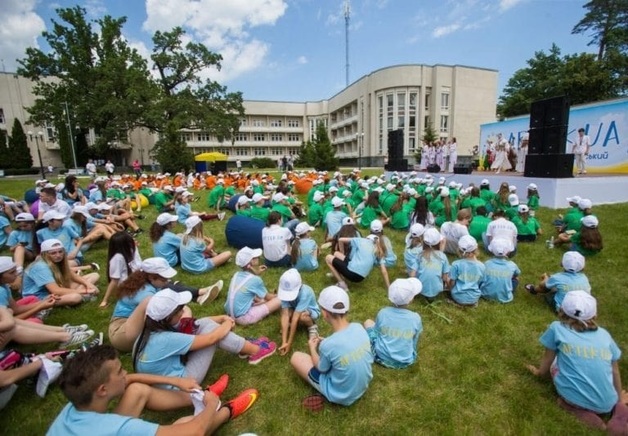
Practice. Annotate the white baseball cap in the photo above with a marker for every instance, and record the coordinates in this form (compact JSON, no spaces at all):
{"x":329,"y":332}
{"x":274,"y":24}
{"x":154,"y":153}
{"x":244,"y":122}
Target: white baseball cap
{"x":6,"y":264}
{"x":500,"y":246}
{"x":573,"y":261}
{"x":485,"y":182}
{"x":53,"y":215}
{"x":258,"y":197}
{"x":279,"y":197}
{"x":165,"y":218}
{"x":432,"y":237}
{"x":467,"y":244}
{"x":579,"y":305}
{"x":51,"y":244}
{"x":377,"y":226}
{"x":104,"y":206}
{"x":91,"y":206}
{"x":512,"y":188}
{"x":163,"y":303}
{"x":444,"y":192}
{"x":532,"y":186}
{"x":289,"y":285}
{"x":523,"y":208}
{"x":333,"y":189}
{"x":24,"y":216}
{"x":303,"y":228}
{"x":337,"y":202}
{"x":348,"y":221}
{"x":82,"y":210}
{"x":513,"y":199}
{"x":318,"y":196}
{"x":390,"y":187}
{"x":585,"y":203}
{"x":159,"y":266}
{"x":243,"y":199}
{"x":575,"y":199}
{"x":589,"y":221}
{"x":246,"y":255}
{"x":334,"y":299}
{"x":417,"y":230}
{"x":402,"y":291}
{"x":190,"y":223}
{"x":168,"y":188}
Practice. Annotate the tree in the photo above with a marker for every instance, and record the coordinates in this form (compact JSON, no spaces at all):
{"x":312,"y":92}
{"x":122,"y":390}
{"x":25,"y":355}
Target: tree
{"x":608,"y":22}
{"x":325,"y":157}
{"x":5,"y":158}
{"x":172,"y":152}
{"x":307,"y":155}
{"x":578,"y":76}
{"x":429,"y":136}
{"x":18,"y":147}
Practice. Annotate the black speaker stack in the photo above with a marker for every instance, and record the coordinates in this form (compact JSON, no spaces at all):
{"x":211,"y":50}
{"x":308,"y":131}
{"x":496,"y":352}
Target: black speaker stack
{"x":464,"y":168}
{"x":547,"y":140}
{"x":396,"y":162}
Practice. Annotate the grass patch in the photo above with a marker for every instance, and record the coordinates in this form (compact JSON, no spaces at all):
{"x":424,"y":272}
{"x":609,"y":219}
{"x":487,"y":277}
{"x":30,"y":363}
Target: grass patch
{"x":470,"y":377}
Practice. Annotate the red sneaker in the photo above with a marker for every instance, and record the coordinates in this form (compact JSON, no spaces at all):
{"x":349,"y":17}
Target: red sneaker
{"x":242,"y":402}
{"x":219,"y":385}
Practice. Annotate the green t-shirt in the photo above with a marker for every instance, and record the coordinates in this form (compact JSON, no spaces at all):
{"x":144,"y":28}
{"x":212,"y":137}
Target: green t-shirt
{"x":260,"y":213}
{"x":244,"y":212}
{"x":388,"y":202}
{"x":284,"y":211}
{"x":575,"y":240}
{"x":533,"y":202}
{"x":161,"y":198}
{"x":401,"y":219}
{"x":528,"y":228}
{"x":315,"y":214}
{"x":369,"y":214}
{"x":478,"y":226}
{"x":216,"y":195}
{"x":572,"y":219}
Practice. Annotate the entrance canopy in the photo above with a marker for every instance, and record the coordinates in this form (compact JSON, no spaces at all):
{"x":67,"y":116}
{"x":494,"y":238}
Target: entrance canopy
{"x":210,"y":157}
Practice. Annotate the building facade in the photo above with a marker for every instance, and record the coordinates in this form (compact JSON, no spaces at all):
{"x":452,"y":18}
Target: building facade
{"x":455,"y":100}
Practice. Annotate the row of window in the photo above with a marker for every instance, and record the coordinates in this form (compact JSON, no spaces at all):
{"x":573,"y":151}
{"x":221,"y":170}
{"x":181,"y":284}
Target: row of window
{"x":274,"y":122}
{"x":256,"y":151}
{"x":243,"y":137}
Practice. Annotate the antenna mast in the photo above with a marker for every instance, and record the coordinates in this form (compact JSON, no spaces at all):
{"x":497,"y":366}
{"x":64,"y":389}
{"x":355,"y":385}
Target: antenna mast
{"x":347,"y":9}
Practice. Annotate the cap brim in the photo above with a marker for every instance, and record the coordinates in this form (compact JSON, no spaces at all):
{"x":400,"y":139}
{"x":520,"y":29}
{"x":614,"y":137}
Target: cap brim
{"x":184,"y":297}
{"x":257,"y":252}
{"x":169,"y":273}
{"x":287,"y":295}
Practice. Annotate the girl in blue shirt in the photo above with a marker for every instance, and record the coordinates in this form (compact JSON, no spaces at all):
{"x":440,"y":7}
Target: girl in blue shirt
{"x":582,"y":360}
{"x":165,"y":243}
{"x":356,"y":266}
{"x":414,"y":247}
{"x":387,"y":256}
{"x":197,"y":250}
{"x":434,"y":266}
{"x":20,"y":240}
{"x":466,"y":274}
{"x":66,"y":235}
{"x":304,"y":251}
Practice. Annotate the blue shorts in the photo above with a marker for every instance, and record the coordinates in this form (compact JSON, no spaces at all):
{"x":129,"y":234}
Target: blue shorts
{"x":314,"y":378}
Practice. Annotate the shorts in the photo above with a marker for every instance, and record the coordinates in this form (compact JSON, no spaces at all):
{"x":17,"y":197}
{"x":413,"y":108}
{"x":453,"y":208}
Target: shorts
{"x":283,"y":262}
{"x":342,"y":267}
{"x":313,"y":377}
{"x":255,"y":314}
{"x":6,"y":393}
{"x":117,"y":335}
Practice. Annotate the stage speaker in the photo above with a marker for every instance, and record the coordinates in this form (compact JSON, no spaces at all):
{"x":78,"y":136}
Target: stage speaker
{"x":395,"y":144}
{"x":397,"y":165}
{"x":549,"y":112}
{"x":462,"y":169}
{"x":555,"y":139}
{"x":555,"y":166}
{"x":537,"y":114}
{"x":433,"y":168}
{"x":535,"y":140}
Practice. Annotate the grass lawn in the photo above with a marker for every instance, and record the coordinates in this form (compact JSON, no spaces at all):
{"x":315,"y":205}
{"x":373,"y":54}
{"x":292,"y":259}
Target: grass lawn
{"x":470,"y":377}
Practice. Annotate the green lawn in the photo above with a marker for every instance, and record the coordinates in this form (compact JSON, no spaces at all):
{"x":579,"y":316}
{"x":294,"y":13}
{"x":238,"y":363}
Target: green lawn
{"x":470,"y":377}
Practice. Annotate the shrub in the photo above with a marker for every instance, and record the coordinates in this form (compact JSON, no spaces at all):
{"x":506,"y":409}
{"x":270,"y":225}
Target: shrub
{"x":20,"y":171}
{"x":263,"y":162}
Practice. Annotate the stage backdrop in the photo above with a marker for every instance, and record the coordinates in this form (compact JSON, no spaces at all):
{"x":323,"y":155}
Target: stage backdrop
{"x":605,"y":122}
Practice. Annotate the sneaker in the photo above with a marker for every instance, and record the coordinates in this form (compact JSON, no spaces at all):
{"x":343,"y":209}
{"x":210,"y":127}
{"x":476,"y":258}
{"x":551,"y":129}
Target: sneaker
{"x":211,"y":293}
{"x":43,"y":314}
{"x":312,"y":331}
{"x":242,"y":402}
{"x":219,"y":385}
{"x":140,"y":217}
{"x":95,"y":266}
{"x":75,"y":328}
{"x":531,"y":289}
{"x":257,"y":341}
{"x":326,"y":246}
{"x":138,"y":232}
{"x":93,"y":343}
{"x":77,"y":338}
{"x":266,"y":349}
{"x":221,"y":215}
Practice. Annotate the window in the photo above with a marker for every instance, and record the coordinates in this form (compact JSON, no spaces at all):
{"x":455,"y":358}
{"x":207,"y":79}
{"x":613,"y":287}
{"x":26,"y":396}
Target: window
{"x":51,"y":133}
{"x":401,"y":121}
{"x":259,"y":151}
{"x":444,"y":123}
{"x":2,"y":120}
{"x":259,"y":137}
{"x":185,"y":136}
{"x":444,"y":101}
{"x":428,"y":96}
{"x":239,"y":151}
{"x":276,"y":137}
{"x":389,"y":101}
{"x":412,"y":144}
{"x":258,"y":123}
{"x":243,"y":121}
{"x":294,"y":137}
{"x":412,"y":100}
{"x":294,"y":123}
{"x":390,"y":123}
{"x":203,"y":136}
{"x":276,"y":123}
{"x":401,"y":100}
{"x":241,"y":137}
{"x":277,"y":151}
{"x":412,"y":122}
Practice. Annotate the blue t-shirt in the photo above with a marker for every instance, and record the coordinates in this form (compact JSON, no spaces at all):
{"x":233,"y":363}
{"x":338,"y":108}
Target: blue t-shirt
{"x":245,"y":294}
{"x":126,"y":305}
{"x":183,"y":212}
{"x":431,"y":271}
{"x":362,"y":258}
{"x":96,"y":196}
{"x":390,"y":259}
{"x":5,"y":295}
{"x":345,"y":364}
{"x":564,"y":282}
{"x":497,"y":284}
{"x":411,"y":257}
{"x":192,"y":258}
{"x":162,"y":354}
{"x":168,"y":247}
{"x":64,"y":234}
{"x":397,"y":335}
{"x":72,"y":422}
{"x":333,"y":221}
{"x":36,"y":277}
{"x":305,"y":302}
{"x":307,"y":261}
{"x":584,"y":361}
{"x":21,"y":237}
{"x":467,"y":275}
{"x":4,"y":223}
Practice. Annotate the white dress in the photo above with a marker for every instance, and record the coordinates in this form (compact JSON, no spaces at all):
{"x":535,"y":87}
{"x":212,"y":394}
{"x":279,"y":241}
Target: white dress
{"x":501,"y":162}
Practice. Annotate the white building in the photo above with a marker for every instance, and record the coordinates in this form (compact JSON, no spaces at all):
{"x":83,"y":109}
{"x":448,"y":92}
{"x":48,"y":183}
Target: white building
{"x":456,"y":100}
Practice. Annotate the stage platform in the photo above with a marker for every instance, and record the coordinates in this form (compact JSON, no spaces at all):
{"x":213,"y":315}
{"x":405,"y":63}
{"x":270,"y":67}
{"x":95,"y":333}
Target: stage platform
{"x":600,"y":189}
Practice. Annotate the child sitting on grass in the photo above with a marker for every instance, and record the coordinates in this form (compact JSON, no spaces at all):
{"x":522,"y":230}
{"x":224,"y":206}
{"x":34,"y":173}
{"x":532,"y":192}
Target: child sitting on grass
{"x":304,"y":251}
{"x":414,"y":247}
{"x":434,"y":266}
{"x":582,"y":360}
{"x":501,"y":277}
{"x":466,"y":274}
{"x":197,"y":250}
{"x":339,"y":366}
{"x":556,"y":286}
{"x":298,"y":306}
{"x":395,"y":332}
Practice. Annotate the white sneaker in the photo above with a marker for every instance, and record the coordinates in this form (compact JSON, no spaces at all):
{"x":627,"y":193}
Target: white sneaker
{"x":48,"y":374}
{"x":326,"y":245}
{"x":312,"y":331}
{"x":211,"y":292}
{"x":221,"y":215}
{"x":75,"y":328}
{"x":77,"y":338}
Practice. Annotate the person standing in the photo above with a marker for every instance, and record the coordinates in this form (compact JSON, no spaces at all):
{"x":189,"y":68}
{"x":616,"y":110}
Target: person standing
{"x":110,"y":168}
{"x":501,"y":161}
{"x":90,"y":168}
{"x":453,"y":154}
{"x":137,"y":168}
{"x":239,"y":165}
{"x":581,"y":151}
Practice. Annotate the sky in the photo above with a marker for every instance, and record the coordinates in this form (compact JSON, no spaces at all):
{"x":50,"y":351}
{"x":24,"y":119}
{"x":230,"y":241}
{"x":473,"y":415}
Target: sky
{"x":294,"y":50}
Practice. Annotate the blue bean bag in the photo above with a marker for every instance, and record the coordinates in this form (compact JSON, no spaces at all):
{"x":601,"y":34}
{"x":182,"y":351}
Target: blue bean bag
{"x":242,"y":231}
{"x":232,"y":202}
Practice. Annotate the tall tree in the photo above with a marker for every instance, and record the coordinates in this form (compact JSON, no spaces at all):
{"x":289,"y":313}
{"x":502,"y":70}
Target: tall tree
{"x":18,"y":147}
{"x":5,"y":157}
{"x":307,"y":155}
{"x":607,"y":21}
{"x":325,"y":157}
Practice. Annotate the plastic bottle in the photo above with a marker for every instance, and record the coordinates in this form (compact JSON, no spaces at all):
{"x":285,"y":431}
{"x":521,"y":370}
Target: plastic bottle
{"x":551,"y":242}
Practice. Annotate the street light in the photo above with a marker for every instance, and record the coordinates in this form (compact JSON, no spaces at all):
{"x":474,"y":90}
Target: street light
{"x":37,"y":136}
{"x":360,"y":146}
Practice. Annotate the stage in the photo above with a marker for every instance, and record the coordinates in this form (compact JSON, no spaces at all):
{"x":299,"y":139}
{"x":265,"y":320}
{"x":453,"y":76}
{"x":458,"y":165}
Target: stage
{"x":600,"y":189}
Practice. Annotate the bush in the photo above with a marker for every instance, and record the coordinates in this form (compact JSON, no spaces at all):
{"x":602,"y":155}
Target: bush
{"x":21,"y":171}
{"x":263,"y":162}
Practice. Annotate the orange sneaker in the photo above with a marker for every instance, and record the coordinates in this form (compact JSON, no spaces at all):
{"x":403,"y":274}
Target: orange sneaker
{"x":219,"y":385}
{"x":242,"y":402}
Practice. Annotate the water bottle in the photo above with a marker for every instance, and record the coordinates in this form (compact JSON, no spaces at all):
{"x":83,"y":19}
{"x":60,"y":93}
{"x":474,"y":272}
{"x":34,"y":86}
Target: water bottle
{"x":551,"y":243}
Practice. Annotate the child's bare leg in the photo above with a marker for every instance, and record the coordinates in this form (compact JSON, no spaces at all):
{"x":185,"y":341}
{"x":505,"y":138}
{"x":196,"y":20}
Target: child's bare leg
{"x":306,"y":320}
{"x":589,"y":418}
{"x":221,"y":258}
{"x":329,"y":260}
{"x":302,"y":364}
{"x":138,"y":396}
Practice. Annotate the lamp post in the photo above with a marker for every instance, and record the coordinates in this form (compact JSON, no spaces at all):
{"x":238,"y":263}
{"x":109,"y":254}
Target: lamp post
{"x":37,"y":136}
{"x":360,"y":146}
{"x":70,"y":132}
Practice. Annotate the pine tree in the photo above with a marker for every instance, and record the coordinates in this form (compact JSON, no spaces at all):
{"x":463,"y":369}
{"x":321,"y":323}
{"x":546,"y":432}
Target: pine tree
{"x":18,"y":147}
{"x":5,"y":158}
{"x":325,"y":158}
{"x":307,"y":155}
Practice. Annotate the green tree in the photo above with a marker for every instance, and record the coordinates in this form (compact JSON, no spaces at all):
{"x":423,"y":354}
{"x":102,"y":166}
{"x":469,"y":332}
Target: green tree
{"x":429,"y":134}
{"x":607,"y":22}
{"x":5,"y":157}
{"x":325,"y":157}
{"x":172,"y":152}
{"x":18,"y":147}
{"x":307,"y":155}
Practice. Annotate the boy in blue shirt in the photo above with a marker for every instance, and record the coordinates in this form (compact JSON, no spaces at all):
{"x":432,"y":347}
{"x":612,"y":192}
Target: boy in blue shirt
{"x":395,"y":332}
{"x":339,"y":366}
{"x":298,"y":306}
{"x":500,"y":279}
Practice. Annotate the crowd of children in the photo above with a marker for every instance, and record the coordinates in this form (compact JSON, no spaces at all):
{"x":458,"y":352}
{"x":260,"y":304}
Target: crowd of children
{"x":152,"y":317}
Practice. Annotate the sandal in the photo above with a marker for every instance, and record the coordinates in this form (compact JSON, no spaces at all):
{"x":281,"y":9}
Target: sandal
{"x":530,"y":288}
